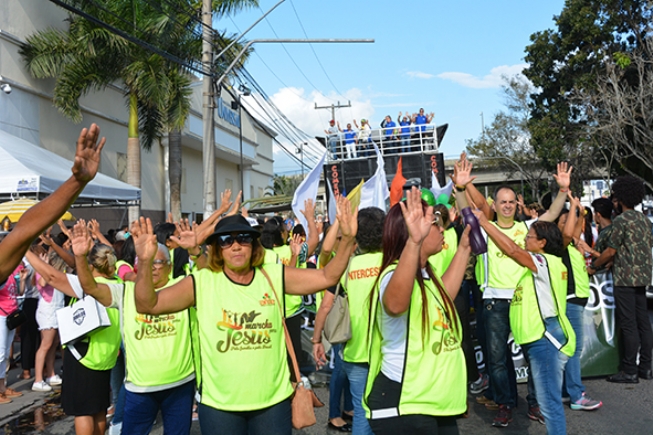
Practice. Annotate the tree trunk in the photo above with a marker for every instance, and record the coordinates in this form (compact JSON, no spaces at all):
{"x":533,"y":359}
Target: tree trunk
{"x":133,"y":154}
{"x":174,"y":170}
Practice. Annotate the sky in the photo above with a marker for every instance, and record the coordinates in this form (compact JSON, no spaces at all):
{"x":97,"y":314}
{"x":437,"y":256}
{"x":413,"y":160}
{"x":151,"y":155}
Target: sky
{"x":445,"y":56}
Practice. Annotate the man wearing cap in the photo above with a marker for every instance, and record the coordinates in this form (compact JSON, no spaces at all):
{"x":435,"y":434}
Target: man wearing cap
{"x":332,"y":139}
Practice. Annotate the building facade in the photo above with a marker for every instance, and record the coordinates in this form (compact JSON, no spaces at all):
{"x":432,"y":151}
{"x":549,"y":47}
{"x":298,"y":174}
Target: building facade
{"x":28,"y":113}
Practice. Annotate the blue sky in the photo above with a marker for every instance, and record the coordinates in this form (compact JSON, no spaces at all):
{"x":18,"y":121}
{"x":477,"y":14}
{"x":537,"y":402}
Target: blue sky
{"x":447,"y":57}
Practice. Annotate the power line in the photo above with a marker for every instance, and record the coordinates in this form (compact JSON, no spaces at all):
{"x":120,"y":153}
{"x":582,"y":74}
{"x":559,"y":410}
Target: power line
{"x":291,"y":58}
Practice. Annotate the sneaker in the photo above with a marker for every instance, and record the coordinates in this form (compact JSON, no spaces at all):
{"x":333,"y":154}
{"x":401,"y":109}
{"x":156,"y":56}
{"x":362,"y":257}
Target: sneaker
{"x":41,"y":386}
{"x":504,"y":416}
{"x":54,"y":380}
{"x":535,"y":414}
{"x":480,"y":385}
{"x":585,"y":403}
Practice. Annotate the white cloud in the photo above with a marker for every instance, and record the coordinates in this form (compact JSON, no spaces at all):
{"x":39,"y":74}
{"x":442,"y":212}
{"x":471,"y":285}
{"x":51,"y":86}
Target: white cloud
{"x":299,"y":107}
{"x":419,"y":75}
{"x":492,"y":80}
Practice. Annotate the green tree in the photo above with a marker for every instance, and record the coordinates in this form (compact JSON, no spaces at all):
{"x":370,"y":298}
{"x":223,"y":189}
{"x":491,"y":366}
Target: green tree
{"x":283,"y":185}
{"x":88,"y":57}
{"x":565,"y":62}
{"x":506,"y":143}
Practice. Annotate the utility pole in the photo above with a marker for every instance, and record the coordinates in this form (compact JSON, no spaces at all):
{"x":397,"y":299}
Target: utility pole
{"x":208,"y":144}
{"x":333,"y":108}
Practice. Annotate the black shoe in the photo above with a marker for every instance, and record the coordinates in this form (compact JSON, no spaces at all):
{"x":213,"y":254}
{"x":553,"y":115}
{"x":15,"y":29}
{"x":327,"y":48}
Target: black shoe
{"x":347,"y":417}
{"x":344,"y":428}
{"x":623,"y":378}
{"x":645,"y":374}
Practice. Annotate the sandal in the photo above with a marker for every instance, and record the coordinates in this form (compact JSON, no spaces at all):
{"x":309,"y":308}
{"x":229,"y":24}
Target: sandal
{"x":10,"y":392}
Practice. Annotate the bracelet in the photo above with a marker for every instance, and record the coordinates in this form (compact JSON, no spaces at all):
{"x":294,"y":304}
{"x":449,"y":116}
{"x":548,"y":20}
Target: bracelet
{"x":199,"y":254}
{"x":564,"y":190}
{"x":460,"y":188}
{"x":316,"y":342}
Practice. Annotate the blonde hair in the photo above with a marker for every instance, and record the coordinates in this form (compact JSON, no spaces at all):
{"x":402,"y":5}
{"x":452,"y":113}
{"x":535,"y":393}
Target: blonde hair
{"x":103,"y":259}
{"x":56,"y":261}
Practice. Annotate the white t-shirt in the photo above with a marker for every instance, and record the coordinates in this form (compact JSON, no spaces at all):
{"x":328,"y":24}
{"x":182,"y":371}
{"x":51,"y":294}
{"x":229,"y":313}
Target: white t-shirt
{"x":543,"y":288}
{"x":394,"y":331}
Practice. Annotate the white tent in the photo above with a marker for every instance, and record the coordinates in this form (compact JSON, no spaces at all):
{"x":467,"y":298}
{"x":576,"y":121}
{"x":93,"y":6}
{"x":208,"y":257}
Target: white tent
{"x":28,"y":170}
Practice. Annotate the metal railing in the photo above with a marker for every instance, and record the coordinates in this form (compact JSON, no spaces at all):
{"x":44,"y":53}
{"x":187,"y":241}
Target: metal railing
{"x":393,"y":140}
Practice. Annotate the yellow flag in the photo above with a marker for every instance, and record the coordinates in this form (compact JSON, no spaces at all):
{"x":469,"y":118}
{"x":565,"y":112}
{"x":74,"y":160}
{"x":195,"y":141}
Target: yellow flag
{"x":354,"y":196}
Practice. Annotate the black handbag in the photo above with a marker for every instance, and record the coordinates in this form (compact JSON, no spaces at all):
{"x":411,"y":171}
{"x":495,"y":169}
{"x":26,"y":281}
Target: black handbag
{"x":15,"y":318}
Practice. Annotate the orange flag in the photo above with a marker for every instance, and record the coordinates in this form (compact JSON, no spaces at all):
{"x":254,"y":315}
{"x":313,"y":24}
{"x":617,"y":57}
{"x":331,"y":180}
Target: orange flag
{"x":397,"y":186}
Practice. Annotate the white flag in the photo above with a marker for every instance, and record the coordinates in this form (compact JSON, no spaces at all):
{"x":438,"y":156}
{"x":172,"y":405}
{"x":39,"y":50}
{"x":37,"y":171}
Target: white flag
{"x":307,"y":190}
{"x":375,"y":190}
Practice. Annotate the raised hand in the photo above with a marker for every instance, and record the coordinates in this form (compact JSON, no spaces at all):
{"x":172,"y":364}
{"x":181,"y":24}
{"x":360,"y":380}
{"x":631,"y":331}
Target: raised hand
{"x":417,"y":221}
{"x":145,"y":242}
{"x":462,"y":171}
{"x":64,"y":229}
{"x":296,"y":245}
{"x":187,"y":237}
{"x":81,"y":239}
{"x":563,"y":177}
{"x":482,"y":219}
{"x":225,"y":202}
{"x":87,"y":155}
{"x":309,"y":209}
{"x":348,"y":220}
{"x":236,"y":208}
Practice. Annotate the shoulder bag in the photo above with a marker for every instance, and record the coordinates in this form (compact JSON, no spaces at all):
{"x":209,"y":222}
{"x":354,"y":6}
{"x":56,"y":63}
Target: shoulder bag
{"x":337,"y":326}
{"x":304,"y":399}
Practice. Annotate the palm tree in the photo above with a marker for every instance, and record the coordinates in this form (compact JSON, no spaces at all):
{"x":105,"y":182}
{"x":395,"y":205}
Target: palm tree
{"x":89,"y":57}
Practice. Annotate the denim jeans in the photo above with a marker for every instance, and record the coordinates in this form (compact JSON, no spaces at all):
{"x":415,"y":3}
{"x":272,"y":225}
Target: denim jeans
{"x":275,"y":420}
{"x":176,"y":405}
{"x":405,"y":144}
{"x":572,"y":385}
{"x":547,"y":366}
{"x":338,"y":385}
{"x":118,"y":387}
{"x":496,"y":315}
{"x":357,"y":375}
{"x":333,"y":147}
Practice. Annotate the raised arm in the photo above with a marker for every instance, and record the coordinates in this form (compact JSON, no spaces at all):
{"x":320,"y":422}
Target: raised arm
{"x":396,"y":298}
{"x":572,"y":220}
{"x":96,"y":233}
{"x":45,"y":213}
{"x":455,"y":273}
{"x":507,"y":246}
{"x":328,"y":244}
{"x":308,"y":281}
{"x":61,"y":252}
{"x":50,"y":275}
{"x":464,"y":183}
{"x":313,"y":237}
{"x":169,"y":300}
{"x":205,"y":229}
{"x":563,"y":178}
{"x":82,"y":244}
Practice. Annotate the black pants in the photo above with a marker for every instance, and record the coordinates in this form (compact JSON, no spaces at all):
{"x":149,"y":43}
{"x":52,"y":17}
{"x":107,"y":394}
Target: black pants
{"x":636,"y":333}
{"x":462,"y":307}
{"x":30,"y":338}
{"x":294,"y":325}
{"x":385,"y":394}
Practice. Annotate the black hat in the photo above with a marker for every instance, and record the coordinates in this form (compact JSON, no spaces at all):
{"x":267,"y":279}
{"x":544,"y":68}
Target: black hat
{"x":232,"y":224}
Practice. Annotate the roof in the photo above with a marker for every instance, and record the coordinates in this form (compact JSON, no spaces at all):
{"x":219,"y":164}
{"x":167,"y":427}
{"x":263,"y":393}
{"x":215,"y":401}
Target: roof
{"x":29,"y":170}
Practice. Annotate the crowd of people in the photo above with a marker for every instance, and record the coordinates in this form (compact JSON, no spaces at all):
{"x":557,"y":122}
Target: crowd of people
{"x":408,"y":134}
{"x":191,"y":305}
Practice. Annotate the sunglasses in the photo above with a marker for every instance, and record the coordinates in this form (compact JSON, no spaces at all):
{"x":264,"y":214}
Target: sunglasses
{"x":158,"y":264}
{"x":243,"y":239}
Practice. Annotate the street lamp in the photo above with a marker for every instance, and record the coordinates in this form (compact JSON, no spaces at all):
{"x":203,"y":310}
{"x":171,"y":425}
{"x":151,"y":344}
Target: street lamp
{"x":244,"y":90}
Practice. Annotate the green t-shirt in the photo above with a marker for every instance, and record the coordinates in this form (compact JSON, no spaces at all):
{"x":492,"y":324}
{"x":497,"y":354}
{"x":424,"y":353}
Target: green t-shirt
{"x":632,"y":238}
